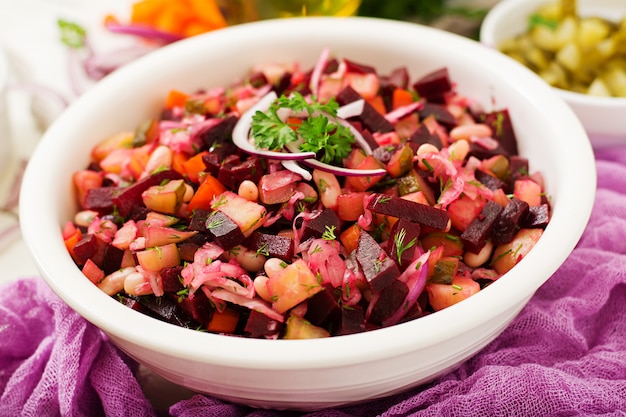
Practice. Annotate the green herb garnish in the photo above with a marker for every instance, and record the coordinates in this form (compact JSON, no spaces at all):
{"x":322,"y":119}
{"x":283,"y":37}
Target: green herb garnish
{"x":317,"y":131}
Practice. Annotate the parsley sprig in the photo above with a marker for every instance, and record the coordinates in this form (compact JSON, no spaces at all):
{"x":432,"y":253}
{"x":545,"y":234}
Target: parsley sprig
{"x":318,"y":130}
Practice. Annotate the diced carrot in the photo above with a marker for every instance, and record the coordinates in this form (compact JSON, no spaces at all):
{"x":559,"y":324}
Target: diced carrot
{"x":203,"y":198}
{"x":224,"y":321}
{"x":175,"y":98}
{"x":350,"y":237}
{"x":401,"y":97}
{"x":178,"y":161}
{"x":378,"y":104}
{"x":294,"y":123}
{"x":194,"y":165}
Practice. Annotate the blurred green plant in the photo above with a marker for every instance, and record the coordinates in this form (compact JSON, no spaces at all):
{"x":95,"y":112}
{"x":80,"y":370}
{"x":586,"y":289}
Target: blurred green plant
{"x":424,"y":10}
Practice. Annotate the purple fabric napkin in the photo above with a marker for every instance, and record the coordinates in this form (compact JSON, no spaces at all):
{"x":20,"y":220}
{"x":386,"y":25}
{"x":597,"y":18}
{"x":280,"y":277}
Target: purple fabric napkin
{"x":564,"y":355}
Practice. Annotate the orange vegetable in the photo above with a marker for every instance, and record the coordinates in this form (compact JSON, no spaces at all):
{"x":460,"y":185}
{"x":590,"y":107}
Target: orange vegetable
{"x":350,"y":237}
{"x":181,"y":17}
{"x":203,"y":198}
{"x":175,"y":98}
{"x":193,"y":166}
{"x":401,"y":97}
{"x":378,"y":103}
{"x":223,"y":322}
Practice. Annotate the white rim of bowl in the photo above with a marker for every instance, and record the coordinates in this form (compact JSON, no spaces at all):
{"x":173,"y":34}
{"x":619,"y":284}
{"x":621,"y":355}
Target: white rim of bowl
{"x":299,"y":354}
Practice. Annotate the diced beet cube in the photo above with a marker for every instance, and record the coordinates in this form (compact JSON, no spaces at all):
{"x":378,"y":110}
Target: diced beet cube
{"x":508,"y":221}
{"x":218,"y":138}
{"x":390,"y":300}
{"x":415,"y":212}
{"x":369,"y":138}
{"x":316,"y":227}
{"x":502,"y":127}
{"x":370,"y":118}
{"x":90,"y":247}
{"x":231,"y":175}
{"x":538,"y":216}
{"x":257,"y":79}
{"x":100,"y":199}
{"x":518,"y":168}
{"x":323,"y":308}
{"x":352,"y":321}
{"x":112,"y":259}
{"x":187,"y":250}
{"x":479,"y":230}
{"x":403,"y":242}
{"x":422,"y":135}
{"x":352,"y":66}
{"x":212,"y":163}
{"x":478,"y":151}
{"x":198,"y":220}
{"x":167,"y":310}
{"x":440,"y":113}
{"x":259,"y":325}
{"x":171,"y":279}
{"x":434,"y":86}
{"x":198,"y":307}
{"x":399,"y":78}
{"x":274,"y":246}
{"x":224,"y":231}
{"x":490,"y":181}
{"x":130,"y":196}
{"x":378,"y":268}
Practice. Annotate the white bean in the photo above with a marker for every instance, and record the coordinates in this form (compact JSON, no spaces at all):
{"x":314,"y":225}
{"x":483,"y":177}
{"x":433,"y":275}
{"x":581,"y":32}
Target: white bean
{"x":133,"y":285}
{"x":85,"y":217}
{"x":459,"y":150}
{"x":274,"y":266}
{"x":466,"y":132}
{"x":247,"y":259}
{"x":248,"y":190}
{"x":260,"y":286}
{"x":114,"y":282}
{"x":161,"y":157}
{"x":189,"y":192}
{"x":474,"y":260}
{"x":426,"y":148}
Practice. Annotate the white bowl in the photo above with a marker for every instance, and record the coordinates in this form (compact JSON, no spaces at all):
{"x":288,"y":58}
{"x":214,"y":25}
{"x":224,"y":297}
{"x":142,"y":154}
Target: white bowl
{"x":317,"y":373}
{"x":602,"y":117}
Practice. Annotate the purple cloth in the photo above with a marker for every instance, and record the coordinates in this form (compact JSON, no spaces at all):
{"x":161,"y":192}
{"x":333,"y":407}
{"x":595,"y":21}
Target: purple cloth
{"x":564,"y":355}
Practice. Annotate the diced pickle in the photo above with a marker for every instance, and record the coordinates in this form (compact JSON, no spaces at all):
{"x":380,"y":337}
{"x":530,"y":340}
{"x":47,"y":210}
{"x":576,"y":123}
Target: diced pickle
{"x":575,"y":53}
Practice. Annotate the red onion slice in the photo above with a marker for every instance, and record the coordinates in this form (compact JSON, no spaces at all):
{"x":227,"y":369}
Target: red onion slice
{"x":143,"y":32}
{"x":351,"y":109}
{"x":241,"y":133}
{"x":400,"y":112}
{"x":316,"y":75}
{"x":345,"y":172}
{"x":295,"y":167}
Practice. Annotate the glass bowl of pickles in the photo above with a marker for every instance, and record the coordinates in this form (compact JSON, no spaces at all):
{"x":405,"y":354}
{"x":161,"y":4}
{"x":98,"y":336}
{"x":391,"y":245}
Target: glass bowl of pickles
{"x":576,"y":46}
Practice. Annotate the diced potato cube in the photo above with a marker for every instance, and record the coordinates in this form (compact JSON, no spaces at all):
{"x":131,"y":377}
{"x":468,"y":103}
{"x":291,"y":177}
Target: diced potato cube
{"x":566,"y":32}
{"x":591,"y":31}
{"x":569,"y":56}
{"x":615,"y":79}
{"x":598,"y":88}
